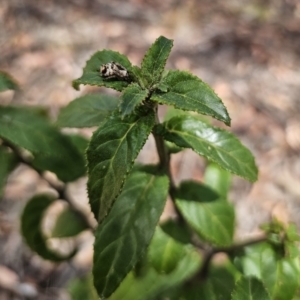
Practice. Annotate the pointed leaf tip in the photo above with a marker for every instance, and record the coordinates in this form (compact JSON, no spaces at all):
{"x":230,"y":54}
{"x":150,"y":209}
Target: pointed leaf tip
{"x":188,"y":92}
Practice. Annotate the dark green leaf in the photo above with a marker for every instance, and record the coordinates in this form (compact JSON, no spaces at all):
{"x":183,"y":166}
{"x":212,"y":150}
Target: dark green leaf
{"x":124,"y":235}
{"x":87,"y":111}
{"x":152,"y":284}
{"x":132,"y":96}
{"x":8,"y":161}
{"x":53,"y":151}
{"x":219,"y":285}
{"x":212,"y":219}
{"x":218,"y":179}
{"x":165,"y":252}
{"x":68,"y":224}
{"x":91,"y":72}
{"x":155,"y":59}
{"x":179,"y":232}
{"x":111,"y":154}
{"x":7,"y":82}
{"x":216,"y":144}
{"x":80,"y":142}
{"x":188,"y":92}
{"x":31,"y":223}
{"x":250,"y":289}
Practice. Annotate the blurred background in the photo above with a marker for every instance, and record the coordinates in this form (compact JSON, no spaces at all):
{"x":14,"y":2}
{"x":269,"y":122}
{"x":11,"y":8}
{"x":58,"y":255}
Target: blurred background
{"x":248,"y":51}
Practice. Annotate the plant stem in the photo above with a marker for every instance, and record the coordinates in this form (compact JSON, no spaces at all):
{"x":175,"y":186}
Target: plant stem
{"x":60,"y":188}
{"x":164,"y":163}
{"x":209,"y":254}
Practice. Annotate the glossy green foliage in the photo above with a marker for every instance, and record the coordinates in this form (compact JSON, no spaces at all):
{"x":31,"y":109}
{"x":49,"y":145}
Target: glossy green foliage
{"x":187,"y":92}
{"x":87,"y":111}
{"x":7,"y":82}
{"x":31,"y":226}
{"x":68,"y":224}
{"x":132,"y":96}
{"x":219,"y":285}
{"x":216,"y":144}
{"x":275,"y":269}
{"x":165,"y":252}
{"x":124,"y":235}
{"x":212,"y":218}
{"x":155,"y":59}
{"x":250,"y":289}
{"x":8,"y":161}
{"x":150,"y":284}
{"x":111,"y":154}
{"x":53,"y":151}
{"x":218,"y":179}
{"x":91,"y":72}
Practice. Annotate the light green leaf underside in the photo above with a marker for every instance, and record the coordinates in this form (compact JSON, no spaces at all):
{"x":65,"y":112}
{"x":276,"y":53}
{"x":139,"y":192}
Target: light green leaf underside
{"x":250,"y":289}
{"x":91,"y":72}
{"x":68,"y":224}
{"x":218,"y":179}
{"x":165,"y":252}
{"x":280,"y":275}
{"x":31,"y":222}
{"x":155,"y":59}
{"x":216,"y":144}
{"x":87,"y":111}
{"x":132,"y":96}
{"x":188,"y":92}
{"x":7,"y":82}
{"x":111,"y":154}
{"x":53,"y":151}
{"x":151,"y":284}
{"x":124,"y":235}
{"x":213,"y":219}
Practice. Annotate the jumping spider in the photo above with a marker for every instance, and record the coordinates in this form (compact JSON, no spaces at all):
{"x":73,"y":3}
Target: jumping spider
{"x":114,"y":70}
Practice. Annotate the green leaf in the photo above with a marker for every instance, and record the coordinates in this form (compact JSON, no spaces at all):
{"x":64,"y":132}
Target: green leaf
{"x":280,"y":275}
{"x":165,"y":252}
{"x":7,"y":82}
{"x":124,"y":235}
{"x":31,"y":223}
{"x":155,"y":59}
{"x":53,"y":151}
{"x":212,"y":219}
{"x":80,"y":142}
{"x":82,"y":288}
{"x":68,"y":224}
{"x":132,"y":96}
{"x":91,"y":72}
{"x":87,"y":111}
{"x":188,"y":92}
{"x":152,"y":284}
{"x":216,"y":144}
{"x":8,"y":161}
{"x":111,"y":154}
{"x":250,"y":288}
{"x":219,"y":285}
{"x":218,"y":179}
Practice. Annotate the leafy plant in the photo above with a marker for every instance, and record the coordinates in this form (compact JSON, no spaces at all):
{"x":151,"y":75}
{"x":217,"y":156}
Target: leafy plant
{"x":135,"y":256}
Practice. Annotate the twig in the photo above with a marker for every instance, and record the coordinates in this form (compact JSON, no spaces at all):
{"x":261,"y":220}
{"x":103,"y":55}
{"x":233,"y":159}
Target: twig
{"x":60,"y":188}
{"x":164,"y":162}
{"x":209,"y":254}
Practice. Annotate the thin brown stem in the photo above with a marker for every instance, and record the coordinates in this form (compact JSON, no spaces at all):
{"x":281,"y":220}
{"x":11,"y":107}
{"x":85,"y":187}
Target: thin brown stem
{"x":58,"y":187}
{"x":209,"y":254}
